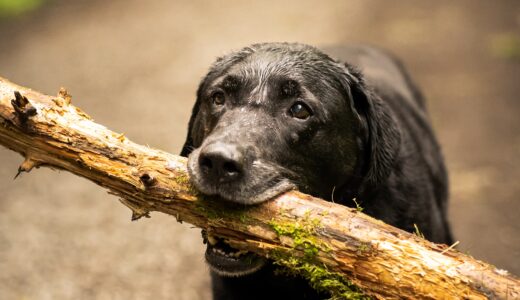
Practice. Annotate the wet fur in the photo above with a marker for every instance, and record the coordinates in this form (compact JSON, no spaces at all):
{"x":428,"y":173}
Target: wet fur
{"x":370,"y":139}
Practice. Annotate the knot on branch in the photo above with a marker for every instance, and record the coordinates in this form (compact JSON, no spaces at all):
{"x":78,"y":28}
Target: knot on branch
{"x":147,"y":179}
{"x":22,"y":107}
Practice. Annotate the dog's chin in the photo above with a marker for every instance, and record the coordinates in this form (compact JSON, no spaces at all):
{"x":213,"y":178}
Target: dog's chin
{"x":229,"y":262}
{"x":255,"y":195}
{"x":247,"y":196}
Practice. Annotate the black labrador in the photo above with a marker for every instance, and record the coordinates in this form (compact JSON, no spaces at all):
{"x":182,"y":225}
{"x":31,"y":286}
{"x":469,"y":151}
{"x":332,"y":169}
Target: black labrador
{"x":278,"y":116}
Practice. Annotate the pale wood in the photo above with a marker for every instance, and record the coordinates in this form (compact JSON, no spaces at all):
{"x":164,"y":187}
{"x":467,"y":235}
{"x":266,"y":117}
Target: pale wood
{"x":383,"y":261}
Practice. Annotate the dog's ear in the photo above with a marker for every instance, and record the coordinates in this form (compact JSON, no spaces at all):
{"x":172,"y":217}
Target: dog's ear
{"x":189,"y":144}
{"x":382,"y":137}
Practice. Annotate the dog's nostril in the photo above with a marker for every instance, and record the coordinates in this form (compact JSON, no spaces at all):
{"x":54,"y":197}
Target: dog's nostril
{"x":230,"y":168}
{"x":205,"y":162}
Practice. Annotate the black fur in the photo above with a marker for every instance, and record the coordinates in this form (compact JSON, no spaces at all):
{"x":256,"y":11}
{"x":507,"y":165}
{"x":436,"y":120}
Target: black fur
{"x":368,"y":138}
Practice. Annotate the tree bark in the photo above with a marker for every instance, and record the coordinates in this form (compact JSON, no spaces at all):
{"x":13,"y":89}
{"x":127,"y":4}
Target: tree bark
{"x":329,"y":244}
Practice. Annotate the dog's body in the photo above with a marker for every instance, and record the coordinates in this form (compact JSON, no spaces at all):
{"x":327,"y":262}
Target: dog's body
{"x":273,"y":117}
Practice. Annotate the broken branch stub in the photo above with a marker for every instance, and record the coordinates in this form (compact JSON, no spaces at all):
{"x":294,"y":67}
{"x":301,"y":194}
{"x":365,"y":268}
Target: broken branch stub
{"x":335,"y":247}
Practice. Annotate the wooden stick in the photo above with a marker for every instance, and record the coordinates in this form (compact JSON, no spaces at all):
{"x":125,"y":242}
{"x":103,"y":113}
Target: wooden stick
{"x":332,"y":245}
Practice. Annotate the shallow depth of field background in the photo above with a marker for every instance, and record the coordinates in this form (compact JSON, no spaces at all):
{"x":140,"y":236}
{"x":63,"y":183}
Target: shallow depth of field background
{"x":134,"y":67}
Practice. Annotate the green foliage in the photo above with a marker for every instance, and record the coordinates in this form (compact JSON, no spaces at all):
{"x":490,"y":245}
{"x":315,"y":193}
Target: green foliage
{"x":309,"y":267}
{"x":506,"y":45}
{"x":358,"y":206}
{"x":184,"y":180}
{"x":364,"y":248}
{"x":417,"y":231}
{"x":9,"y":8}
{"x":221,"y":212}
{"x":319,"y":277}
{"x":301,"y":234}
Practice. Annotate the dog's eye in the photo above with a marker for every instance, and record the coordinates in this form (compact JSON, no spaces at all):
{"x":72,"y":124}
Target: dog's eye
{"x":218,"y":98}
{"x":300,"y":110}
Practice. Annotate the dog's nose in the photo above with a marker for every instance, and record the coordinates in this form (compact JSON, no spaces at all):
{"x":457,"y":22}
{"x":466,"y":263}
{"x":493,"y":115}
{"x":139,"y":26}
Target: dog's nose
{"x":221,"y":162}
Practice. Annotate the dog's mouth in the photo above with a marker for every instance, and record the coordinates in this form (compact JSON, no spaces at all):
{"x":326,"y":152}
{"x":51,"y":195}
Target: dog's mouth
{"x":228,"y":261}
{"x":257,"y":183}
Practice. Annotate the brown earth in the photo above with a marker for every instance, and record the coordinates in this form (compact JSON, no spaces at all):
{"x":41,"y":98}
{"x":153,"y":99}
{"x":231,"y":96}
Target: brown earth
{"x":134,"y":66}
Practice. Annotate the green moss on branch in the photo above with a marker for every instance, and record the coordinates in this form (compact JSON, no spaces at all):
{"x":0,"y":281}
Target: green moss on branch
{"x":301,"y":232}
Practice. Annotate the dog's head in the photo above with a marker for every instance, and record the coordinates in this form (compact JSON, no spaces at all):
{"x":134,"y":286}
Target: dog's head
{"x":275,"y":117}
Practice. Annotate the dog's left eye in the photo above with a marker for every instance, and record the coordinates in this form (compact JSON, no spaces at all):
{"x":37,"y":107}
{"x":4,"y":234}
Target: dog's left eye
{"x":300,"y":110}
{"x":218,"y":98}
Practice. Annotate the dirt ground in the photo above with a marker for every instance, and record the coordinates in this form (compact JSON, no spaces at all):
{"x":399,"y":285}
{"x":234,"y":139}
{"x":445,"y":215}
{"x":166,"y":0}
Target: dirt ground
{"x":134,"y":66}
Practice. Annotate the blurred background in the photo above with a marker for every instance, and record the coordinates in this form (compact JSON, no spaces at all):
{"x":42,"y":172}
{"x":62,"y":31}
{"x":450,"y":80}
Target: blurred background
{"x":134,"y":66}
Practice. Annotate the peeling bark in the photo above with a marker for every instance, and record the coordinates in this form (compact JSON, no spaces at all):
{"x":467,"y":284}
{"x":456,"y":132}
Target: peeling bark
{"x":295,"y":229}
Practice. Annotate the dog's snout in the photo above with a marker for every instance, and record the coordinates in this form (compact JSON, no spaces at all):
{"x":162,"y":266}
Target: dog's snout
{"x":221,"y":162}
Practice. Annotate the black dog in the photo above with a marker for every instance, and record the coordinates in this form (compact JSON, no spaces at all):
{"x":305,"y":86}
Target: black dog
{"x":275,"y":117}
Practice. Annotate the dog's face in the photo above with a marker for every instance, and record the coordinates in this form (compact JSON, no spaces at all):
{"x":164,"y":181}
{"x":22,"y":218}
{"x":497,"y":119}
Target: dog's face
{"x":270,"y":118}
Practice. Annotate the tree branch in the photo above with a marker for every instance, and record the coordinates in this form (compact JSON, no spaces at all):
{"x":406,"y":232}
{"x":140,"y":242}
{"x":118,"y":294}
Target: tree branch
{"x":331,"y":245}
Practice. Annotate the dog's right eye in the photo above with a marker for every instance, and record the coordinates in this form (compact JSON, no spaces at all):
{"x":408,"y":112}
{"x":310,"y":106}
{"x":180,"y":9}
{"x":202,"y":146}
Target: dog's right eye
{"x":218,"y":98}
{"x":300,"y":110}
